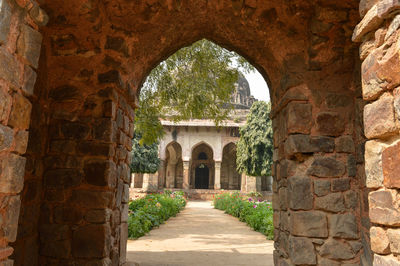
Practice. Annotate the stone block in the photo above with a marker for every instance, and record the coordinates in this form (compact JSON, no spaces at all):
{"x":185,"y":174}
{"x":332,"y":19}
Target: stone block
{"x":370,"y":22}
{"x":391,"y":166}
{"x":344,"y":226}
{"x":301,"y":251}
{"x":98,"y":216}
{"x":125,"y":173}
{"x":21,"y":141}
{"x":10,"y":222}
{"x":29,"y":81}
{"x":330,"y":124}
{"x":373,"y":163}
{"x":299,"y":195}
{"x":65,"y":214}
{"x":112,"y":76}
{"x":379,"y":118}
{"x":75,"y":130}
{"x":54,"y":232}
{"x":308,"y":223}
{"x":382,"y":209}
{"x":93,"y":148}
{"x":9,"y":69}
{"x":345,"y":144}
{"x":62,"y":178}
{"x":63,"y":146}
{"x":322,"y":187}
{"x":91,"y":241}
{"x":351,"y":199}
{"x":379,"y":240}
{"x":283,"y":198}
{"x":306,"y":144}
{"x":366,"y":5}
{"x":93,"y":199}
{"x":125,"y":194}
{"x":5,"y":21}
{"x":351,"y":165}
{"x":38,"y":15}
{"x":299,"y":118}
{"x":12,"y":170}
{"x":394,"y":239}
{"x":337,"y":250}
{"x":20,"y":112}
{"x":334,"y":100}
{"x":123,"y":241}
{"x":117,"y":44}
{"x":326,"y":167}
{"x":100,"y":172}
{"x":29,"y":44}
{"x":385,"y":260}
{"x":6,"y":137}
{"x":340,"y":184}
{"x":5,"y":103}
{"x":59,"y":249}
{"x":333,"y":202}
{"x":105,"y":130}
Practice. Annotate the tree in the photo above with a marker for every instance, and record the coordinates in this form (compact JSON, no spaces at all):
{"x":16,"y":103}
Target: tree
{"x":193,"y":83}
{"x":255,"y":147}
{"x":144,"y":157}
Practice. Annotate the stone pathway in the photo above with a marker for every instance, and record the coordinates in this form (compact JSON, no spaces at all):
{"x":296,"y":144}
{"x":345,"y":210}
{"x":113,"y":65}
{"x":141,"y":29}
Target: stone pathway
{"x":201,"y":235}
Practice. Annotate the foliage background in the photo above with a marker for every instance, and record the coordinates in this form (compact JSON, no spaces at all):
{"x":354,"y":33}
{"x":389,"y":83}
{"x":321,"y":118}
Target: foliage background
{"x":255,"y":146}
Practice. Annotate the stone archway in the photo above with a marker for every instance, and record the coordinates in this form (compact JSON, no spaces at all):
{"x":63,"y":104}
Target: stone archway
{"x":93,"y":60}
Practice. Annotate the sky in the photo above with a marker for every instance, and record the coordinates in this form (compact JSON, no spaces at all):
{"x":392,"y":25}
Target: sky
{"x":258,"y":86}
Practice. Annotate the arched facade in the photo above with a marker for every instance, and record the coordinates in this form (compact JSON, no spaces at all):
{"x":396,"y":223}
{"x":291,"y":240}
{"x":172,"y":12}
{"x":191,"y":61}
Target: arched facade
{"x":71,"y":86}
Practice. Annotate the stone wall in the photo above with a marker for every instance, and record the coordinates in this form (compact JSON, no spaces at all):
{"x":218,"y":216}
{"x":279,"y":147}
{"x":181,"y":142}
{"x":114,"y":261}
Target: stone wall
{"x":379,"y":35}
{"x":94,"y":58}
{"x":20,"y":43}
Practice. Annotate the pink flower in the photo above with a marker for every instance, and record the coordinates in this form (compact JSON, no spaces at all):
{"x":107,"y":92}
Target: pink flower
{"x":254,"y":206}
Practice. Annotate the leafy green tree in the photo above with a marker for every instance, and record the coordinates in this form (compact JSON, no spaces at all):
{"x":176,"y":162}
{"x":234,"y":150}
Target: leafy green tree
{"x":192,"y":83}
{"x":144,"y":157}
{"x":255,"y":147}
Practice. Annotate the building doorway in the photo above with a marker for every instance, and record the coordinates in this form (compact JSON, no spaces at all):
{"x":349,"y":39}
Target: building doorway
{"x":202,"y":177}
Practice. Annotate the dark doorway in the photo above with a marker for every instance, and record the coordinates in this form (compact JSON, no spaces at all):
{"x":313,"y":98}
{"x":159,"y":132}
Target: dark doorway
{"x":202,"y":177}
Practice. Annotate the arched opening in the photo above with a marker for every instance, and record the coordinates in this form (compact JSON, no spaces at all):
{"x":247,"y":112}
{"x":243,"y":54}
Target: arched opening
{"x":230,"y":178}
{"x":202,"y":165}
{"x":173,"y":166}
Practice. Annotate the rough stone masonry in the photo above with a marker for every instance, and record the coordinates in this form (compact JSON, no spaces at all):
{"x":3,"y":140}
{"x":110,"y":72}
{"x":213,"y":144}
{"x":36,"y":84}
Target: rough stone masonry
{"x":70,"y":76}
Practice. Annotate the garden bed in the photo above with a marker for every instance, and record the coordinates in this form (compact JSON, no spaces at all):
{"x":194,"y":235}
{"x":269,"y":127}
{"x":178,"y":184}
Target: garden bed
{"x":256,"y":213}
{"x":153,"y":210}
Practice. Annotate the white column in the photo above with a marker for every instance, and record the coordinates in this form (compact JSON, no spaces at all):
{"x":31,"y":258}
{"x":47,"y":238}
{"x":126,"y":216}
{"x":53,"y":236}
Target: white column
{"x":186,"y":174}
{"x":217,"y":178}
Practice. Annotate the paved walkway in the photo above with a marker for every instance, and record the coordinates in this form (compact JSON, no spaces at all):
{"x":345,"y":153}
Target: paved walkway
{"x":201,"y":235}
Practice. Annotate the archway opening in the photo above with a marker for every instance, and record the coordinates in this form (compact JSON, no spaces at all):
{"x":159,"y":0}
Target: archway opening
{"x":173,"y":166}
{"x":230,"y":177}
{"x":202,"y":165}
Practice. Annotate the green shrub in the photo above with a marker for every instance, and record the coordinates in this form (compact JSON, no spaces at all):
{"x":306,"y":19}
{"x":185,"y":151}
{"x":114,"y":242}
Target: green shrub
{"x":153,"y":210}
{"x":257,"y":214}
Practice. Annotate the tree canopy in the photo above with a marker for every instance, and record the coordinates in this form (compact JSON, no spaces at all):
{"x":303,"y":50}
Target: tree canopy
{"x":255,"y":147}
{"x":144,"y":157}
{"x":192,"y":83}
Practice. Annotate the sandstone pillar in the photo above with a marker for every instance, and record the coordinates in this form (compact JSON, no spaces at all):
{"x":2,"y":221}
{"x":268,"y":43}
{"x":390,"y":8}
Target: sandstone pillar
{"x":378,"y":34}
{"x":186,"y":175}
{"x":150,"y":182}
{"x":217,"y":177}
{"x":20,"y":48}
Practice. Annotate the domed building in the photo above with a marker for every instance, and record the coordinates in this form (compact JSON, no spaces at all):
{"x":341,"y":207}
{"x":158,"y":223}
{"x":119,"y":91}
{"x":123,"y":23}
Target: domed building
{"x":199,"y":157}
